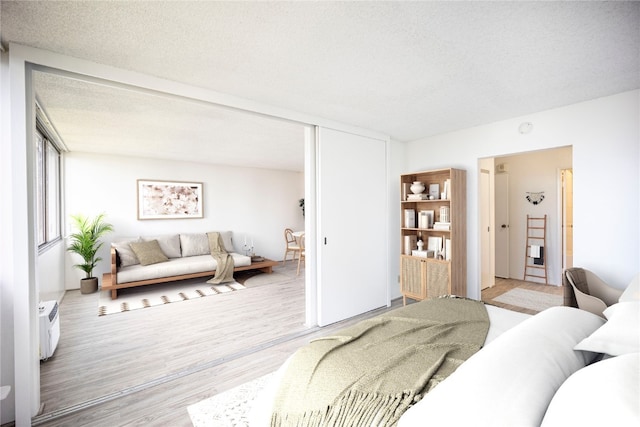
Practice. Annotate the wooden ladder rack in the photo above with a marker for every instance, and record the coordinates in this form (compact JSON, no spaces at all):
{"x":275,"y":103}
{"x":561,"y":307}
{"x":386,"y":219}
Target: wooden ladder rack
{"x":536,"y":235}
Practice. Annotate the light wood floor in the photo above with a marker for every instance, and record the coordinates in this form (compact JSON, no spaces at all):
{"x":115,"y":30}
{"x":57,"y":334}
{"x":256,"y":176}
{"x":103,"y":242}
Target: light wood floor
{"x":146,"y":366}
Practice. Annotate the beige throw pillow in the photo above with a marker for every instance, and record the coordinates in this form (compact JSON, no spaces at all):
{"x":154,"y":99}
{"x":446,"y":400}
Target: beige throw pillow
{"x":148,"y":252}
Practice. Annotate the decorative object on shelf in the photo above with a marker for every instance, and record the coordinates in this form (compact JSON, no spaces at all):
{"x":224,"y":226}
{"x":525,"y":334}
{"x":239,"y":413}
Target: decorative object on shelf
{"x":301,"y":204}
{"x":444,"y":214}
{"x":535,"y":198}
{"x":169,"y":199}
{"x":434,"y":191}
{"x":425,"y":219}
{"x":420,"y":245}
{"x":417,"y":187}
{"x":86,"y":243}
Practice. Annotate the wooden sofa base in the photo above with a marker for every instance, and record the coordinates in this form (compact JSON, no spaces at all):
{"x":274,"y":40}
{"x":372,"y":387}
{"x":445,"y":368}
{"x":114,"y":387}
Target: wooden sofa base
{"x":265,"y":266}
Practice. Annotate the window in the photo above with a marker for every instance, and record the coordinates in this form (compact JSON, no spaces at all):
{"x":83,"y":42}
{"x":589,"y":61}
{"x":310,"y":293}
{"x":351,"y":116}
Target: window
{"x":47,"y":190}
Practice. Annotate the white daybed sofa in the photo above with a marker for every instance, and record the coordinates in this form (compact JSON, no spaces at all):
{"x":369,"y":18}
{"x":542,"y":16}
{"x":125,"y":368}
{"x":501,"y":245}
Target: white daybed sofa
{"x":169,"y":257}
{"x":563,"y":366}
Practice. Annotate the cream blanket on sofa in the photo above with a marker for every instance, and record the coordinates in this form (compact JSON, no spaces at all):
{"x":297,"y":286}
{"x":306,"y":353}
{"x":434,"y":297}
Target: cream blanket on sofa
{"x":372,"y":372}
{"x":224,"y":261}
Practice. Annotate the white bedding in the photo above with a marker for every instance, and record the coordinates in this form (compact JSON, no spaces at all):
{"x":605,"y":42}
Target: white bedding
{"x":500,"y":320}
{"x":511,"y":381}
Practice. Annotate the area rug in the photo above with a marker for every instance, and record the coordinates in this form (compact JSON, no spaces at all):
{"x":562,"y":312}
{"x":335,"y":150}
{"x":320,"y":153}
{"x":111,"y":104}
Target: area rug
{"x":153,"y":295}
{"x":533,"y":300}
{"x":230,"y":408}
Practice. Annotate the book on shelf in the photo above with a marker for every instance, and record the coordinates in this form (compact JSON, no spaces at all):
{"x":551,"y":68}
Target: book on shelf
{"x":442,"y":226}
{"x":447,"y":189}
{"x":410,"y":242}
{"x":409,"y":218}
{"x":421,"y":196}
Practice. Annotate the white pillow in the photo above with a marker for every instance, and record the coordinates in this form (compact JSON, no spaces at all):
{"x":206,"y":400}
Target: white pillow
{"x":194,"y":244}
{"x":620,"y":335}
{"x":126,"y":255}
{"x":632,"y":292}
{"x":606,"y":393}
{"x":169,"y":243}
{"x":511,"y":381}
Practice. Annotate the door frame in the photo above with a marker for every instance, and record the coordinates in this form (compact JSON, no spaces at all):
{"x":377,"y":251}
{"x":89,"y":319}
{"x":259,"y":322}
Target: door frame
{"x":496,"y":226}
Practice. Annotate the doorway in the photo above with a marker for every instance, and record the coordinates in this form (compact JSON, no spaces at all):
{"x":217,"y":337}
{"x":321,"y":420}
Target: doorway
{"x":514,"y":176}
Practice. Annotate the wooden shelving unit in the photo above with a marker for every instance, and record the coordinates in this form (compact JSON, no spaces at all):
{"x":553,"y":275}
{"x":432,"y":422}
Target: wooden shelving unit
{"x":445,"y":271}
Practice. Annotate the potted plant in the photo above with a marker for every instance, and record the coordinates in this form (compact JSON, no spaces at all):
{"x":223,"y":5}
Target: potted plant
{"x":85,"y":242}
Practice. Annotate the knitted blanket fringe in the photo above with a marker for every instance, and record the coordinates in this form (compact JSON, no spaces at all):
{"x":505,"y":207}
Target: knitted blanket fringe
{"x":355,"y":408}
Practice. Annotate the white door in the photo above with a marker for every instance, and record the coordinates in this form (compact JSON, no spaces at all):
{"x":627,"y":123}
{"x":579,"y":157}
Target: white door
{"x":487,"y":278}
{"x":352,"y":225}
{"x":502,"y":224}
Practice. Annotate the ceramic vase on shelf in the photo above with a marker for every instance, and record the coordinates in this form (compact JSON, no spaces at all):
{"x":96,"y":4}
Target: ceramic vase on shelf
{"x":417,"y":187}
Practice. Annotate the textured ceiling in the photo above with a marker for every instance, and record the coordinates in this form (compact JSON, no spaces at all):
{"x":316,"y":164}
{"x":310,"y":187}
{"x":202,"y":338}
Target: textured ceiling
{"x":406,"y":69}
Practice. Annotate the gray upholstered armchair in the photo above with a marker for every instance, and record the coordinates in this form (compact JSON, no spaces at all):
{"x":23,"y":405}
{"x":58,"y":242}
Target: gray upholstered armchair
{"x":584,"y":290}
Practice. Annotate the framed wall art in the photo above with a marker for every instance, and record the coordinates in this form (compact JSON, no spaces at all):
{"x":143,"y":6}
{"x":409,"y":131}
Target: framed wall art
{"x":169,"y":199}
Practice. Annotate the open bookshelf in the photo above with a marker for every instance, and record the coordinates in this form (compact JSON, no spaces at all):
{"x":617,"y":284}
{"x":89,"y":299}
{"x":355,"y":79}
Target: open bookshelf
{"x":435,"y":216}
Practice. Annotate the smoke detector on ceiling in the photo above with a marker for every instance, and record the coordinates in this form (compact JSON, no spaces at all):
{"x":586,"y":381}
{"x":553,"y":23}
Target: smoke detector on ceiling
{"x":525,"y":127}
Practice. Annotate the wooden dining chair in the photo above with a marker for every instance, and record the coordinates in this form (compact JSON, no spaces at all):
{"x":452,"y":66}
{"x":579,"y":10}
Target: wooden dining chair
{"x":301,"y":256}
{"x":292,"y":245}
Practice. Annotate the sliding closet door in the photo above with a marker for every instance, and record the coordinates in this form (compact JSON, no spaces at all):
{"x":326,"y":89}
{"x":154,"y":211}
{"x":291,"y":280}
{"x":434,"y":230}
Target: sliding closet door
{"x":352,"y":225}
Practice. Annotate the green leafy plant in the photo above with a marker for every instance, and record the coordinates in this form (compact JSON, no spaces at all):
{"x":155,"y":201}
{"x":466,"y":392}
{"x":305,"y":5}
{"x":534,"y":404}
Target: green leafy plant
{"x":86,"y":240}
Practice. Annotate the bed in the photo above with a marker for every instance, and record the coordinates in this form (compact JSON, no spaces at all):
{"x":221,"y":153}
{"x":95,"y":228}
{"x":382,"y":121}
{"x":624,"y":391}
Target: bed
{"x":563,"y":366}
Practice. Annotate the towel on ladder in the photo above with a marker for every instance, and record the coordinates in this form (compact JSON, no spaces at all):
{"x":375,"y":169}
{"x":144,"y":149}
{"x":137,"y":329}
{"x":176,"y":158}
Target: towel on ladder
{"x":537,"y":253}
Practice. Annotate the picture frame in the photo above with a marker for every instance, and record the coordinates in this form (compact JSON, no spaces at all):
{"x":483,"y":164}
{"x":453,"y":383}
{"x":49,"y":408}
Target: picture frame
{"x":159,"y":199}
{"x":434,"y":191}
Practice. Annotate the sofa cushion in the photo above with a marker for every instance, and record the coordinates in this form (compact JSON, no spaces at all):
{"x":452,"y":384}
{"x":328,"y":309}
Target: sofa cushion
{"x":227,"y":239}
{"x":194,"y":244}
{"x":148,"y":252}
{"x":169,"y":243}
{"x":126,"y":255}
{"x":176,"y":267}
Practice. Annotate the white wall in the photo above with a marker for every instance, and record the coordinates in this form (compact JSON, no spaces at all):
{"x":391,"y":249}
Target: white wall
{"x":50,"y":273}
{"x":605,"y":136}
{"x":396,"y":167}
{"x":258,"y":203}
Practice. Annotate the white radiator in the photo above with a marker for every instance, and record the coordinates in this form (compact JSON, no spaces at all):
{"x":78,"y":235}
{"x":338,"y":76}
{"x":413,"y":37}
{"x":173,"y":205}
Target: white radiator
{"x":49,"y":328}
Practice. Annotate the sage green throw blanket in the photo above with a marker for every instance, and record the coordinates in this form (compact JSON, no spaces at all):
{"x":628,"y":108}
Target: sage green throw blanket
{"x":224,"y":261}
{"x":369,"y":374}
